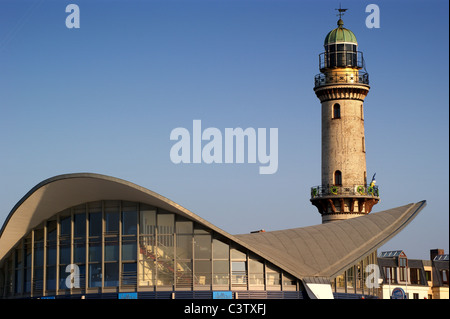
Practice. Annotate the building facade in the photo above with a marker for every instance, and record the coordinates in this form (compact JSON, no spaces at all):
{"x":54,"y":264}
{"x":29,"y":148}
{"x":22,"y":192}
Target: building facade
{"x":417,"y":279}
{"x":114,"y":246}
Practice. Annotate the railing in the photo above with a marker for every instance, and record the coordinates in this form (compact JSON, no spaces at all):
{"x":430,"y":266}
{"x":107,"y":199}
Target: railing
{"x":341,"y":59}
{"x":341,"y":77}
{"x":352,"y":190}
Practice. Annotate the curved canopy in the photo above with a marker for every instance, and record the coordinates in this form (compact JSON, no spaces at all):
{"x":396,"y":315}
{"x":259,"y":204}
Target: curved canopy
{"x":316,"y":251}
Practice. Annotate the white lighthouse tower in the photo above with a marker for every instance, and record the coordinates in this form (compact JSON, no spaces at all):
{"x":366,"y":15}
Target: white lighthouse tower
{"x":341,"y":87}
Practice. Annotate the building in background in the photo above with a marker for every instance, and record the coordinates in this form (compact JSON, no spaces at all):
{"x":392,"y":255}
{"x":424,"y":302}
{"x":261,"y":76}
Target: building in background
{"x":417,"y":279}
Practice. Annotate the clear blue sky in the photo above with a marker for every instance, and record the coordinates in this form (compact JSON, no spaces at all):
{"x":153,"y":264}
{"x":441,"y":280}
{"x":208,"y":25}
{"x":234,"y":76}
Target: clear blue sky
{"x":104,"y":99}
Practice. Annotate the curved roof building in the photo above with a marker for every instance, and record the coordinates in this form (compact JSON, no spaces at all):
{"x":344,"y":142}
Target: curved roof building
{"x":93,"y":236}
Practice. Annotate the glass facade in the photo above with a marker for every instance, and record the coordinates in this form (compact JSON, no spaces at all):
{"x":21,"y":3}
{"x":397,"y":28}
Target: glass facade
{"x":353,"y":280}
{"x":118,"y":246}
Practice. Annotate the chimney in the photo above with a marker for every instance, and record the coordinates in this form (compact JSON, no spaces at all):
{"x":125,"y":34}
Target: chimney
{"x":435,"y":252}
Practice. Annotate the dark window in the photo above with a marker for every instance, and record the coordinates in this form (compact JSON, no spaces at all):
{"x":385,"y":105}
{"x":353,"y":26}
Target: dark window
{"x":95,"y":224}
{"x":402,"y":263}
{"x":336,"y":111}
{"x":129,"y":219}
{"x":79,"y":225}
{"x":415,"y":276}
{"x":338,"y":178}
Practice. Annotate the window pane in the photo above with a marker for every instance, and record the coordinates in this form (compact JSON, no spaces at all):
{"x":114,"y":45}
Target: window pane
{"x":202,"y":272}
{"x":289,"y":280}
{"x":65,"y":226}
{"x":27,"y":287}
{"x":220,"y":250}
{"x":336,"y":111}
{"x":273,"y":275}
{"x":39,"y":254}
{"x":165,"y":247}
{"x":51,"y":278}
{"x":112,"y":216}
{"x":64,"y":252}
{"x":95,"y":224}
{"x":79,"y":225}
{"x":129,"y":249}
{"x":221,"y":273}
{"x":147,"y":247}
{"x":184,"y":246}
{"x":95,"y":251}
{"x":165,"y":273}
{"x":51,"y":230}
{"x":256,"y":266}
{"x":237,"y":255}
{"x":79,"y":251}
{"x":148,"y":220}
{"x":111,"y":274}
{"x":202,"y":246}
{"x":111,"y":249}
{"x":184,"y":274}
{"x":129,"y":274}
{"x":184,"y":227}
{"x":238,"y":273}
{"x":165,"y":223}
{"x":95,"y":275}
{"x":27,"y":248}
{"x":146,"y":271}
{"x":129,"y":219}
{"x":51,"y":253}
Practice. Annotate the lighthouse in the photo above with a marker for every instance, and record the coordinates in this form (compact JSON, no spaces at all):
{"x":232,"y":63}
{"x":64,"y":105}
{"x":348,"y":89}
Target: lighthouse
{"x":341,"y":86}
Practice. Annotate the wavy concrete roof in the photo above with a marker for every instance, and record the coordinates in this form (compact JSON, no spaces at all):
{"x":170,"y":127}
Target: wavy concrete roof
{"x":327,"y":250}
{"x":321,"y":251}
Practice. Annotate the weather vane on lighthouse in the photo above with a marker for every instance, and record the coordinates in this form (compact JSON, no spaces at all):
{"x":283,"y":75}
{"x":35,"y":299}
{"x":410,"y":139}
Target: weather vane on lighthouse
{"x":341,"y":11}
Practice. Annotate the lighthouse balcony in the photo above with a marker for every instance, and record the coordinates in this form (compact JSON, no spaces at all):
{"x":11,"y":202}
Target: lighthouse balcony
{"x":322,"y":191}
{"x":341,"y":59}
{"x":358,"y":77}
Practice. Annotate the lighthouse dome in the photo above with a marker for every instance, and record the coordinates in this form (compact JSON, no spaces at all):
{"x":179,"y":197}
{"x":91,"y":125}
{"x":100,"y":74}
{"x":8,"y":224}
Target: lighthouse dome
{"x":340,"y":35}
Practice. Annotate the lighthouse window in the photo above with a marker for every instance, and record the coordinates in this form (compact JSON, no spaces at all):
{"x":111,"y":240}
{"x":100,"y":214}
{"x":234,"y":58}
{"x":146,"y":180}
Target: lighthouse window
{"x":336,"y":111}
{"x":338,"y":178}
